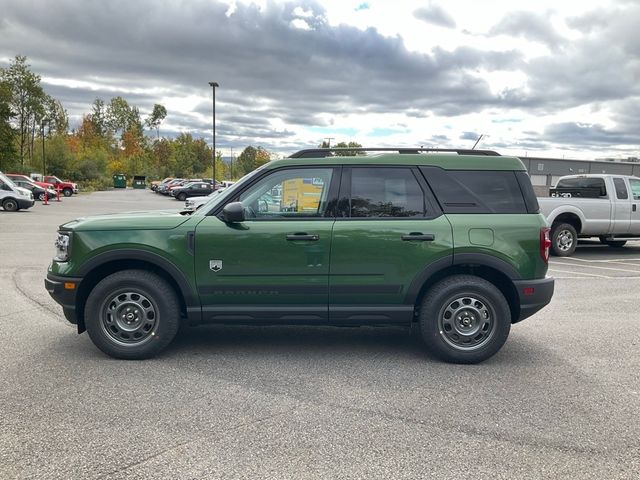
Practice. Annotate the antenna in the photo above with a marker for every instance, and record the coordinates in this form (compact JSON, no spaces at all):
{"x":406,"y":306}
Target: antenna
{"x":478,"y":140}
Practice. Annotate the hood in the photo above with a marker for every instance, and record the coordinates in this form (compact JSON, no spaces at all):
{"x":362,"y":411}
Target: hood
{"x":153,"y":220}
{"x":24,"y":191}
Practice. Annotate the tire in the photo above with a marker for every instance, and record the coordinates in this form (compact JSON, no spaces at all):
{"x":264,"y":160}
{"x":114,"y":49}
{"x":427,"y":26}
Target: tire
{"x":150,"y":314}
{"x":613,"y":243}
{"x":10,"y":205}
{"x":41,"y":197}
{"x":67,"y":192}
{"x":482,"y":314}
{"x":564,"y":239}
{"x":182,"y":197}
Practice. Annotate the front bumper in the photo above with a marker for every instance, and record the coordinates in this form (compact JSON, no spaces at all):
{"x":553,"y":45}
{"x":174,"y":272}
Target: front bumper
{"x":534,"y":295}
{"x":25,"y":202}
{"x":64,"y":291}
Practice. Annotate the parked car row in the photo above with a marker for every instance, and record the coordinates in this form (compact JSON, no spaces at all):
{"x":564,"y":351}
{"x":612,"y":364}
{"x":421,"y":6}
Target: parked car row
{"x":20,"y":191}
{"x":198,"y":189}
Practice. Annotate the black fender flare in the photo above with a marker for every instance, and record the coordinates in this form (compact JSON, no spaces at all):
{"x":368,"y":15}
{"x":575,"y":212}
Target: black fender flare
{"x":187,"y":291}
{"x":478,"y":259}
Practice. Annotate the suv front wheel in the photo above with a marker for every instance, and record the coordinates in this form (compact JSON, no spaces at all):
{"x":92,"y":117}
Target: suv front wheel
{"x":464,"y":319}
{"x":132,"y":314}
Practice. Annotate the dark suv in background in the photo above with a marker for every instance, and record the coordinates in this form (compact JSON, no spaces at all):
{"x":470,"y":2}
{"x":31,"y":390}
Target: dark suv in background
{"x":192,"y":189}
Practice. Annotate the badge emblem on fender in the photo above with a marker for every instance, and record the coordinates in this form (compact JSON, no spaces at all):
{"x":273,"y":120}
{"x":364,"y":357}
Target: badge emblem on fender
{"x":215,"y":265}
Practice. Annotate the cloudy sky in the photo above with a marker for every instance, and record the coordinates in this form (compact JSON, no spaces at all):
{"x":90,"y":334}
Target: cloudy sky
{"x":544,"y":78}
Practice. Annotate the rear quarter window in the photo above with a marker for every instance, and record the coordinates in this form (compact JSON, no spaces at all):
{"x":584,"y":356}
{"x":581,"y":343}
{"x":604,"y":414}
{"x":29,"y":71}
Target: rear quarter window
{"x":586,"y":183}
{"x":480,"y":191}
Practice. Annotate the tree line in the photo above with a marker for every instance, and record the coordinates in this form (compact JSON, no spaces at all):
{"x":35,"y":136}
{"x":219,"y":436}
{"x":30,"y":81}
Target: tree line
{"x":112,"y":137}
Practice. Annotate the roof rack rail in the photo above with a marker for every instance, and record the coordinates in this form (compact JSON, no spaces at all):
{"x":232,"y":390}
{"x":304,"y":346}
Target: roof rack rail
{"x":328,"y":152}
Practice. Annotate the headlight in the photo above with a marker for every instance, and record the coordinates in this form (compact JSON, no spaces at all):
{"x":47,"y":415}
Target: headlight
{"x":62,"y":247}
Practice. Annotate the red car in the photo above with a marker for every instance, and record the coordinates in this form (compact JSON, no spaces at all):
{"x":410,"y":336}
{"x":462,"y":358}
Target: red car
{"x":67,"y":188}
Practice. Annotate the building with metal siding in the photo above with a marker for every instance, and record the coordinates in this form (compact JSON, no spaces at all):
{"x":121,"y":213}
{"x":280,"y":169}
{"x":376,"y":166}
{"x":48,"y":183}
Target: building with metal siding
{"x":546,"y":171}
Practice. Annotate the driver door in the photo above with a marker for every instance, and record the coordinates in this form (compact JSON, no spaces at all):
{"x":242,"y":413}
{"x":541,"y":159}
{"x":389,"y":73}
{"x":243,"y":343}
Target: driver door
{"x":274,"y":266}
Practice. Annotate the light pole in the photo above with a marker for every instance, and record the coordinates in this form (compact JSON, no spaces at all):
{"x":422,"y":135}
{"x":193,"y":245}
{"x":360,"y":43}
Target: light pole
{"x":44,"y":162}
{"x":213,"y":86}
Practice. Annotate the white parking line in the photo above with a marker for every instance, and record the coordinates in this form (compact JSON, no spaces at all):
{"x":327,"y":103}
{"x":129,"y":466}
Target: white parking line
{"x":589,"y":276}
{"x":624,"y":261}
{"x":580,"y":273}
{"x":598,"y":268}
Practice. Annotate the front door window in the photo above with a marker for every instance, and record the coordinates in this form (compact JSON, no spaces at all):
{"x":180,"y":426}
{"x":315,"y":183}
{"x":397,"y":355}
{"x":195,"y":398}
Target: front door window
{"x":295,"y":194}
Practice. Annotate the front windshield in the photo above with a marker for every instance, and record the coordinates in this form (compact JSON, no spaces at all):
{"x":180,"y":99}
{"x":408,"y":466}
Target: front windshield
{"x":227,"y":192}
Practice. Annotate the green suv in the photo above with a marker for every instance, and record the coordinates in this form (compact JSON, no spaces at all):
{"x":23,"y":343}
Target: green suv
{"x":450,"y":241}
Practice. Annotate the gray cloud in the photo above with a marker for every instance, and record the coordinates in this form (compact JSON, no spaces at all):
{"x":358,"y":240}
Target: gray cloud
{"x":261,"y":61}
{"x":269,"y":70}
{"x":601,"y":66}
{"x":529,"y":25}
{"x":469,"y":136}
{"x":590,"y":21}
{"x":435,"y":15}
{"x":587,"y":134}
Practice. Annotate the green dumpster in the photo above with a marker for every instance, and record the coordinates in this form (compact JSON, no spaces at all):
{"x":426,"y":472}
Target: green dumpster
{"x":119,"y":180}
{"x":139,"y":181}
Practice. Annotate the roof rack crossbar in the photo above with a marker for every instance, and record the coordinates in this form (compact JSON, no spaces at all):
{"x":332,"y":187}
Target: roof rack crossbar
{"x":326,"y":152}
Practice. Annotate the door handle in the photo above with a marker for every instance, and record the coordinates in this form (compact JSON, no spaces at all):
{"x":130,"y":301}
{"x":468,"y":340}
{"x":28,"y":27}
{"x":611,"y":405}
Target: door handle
{"x":633,"y":207}
{"x":302,"y":237}
{"x":419,"y":237}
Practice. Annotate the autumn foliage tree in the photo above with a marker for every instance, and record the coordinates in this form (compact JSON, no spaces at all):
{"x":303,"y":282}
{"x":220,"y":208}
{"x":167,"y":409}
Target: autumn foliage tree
{"x":110,"y":138}
{"x":250,"y":159}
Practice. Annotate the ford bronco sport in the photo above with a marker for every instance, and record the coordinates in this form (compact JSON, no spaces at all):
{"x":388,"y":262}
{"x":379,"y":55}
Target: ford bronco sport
{"x":450,"y":241}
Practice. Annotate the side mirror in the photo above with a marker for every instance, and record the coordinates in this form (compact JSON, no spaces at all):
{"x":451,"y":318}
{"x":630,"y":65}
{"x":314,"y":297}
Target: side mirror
{"x":233,"y":213}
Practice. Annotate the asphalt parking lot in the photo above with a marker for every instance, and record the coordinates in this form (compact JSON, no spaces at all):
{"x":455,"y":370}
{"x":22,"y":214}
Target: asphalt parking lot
{"x":560,"y":400}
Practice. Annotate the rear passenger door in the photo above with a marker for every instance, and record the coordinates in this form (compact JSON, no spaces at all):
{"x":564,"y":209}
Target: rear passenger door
{"x":634,"y":184}
{"x":388,"y":230}
{"x":621,"y":217}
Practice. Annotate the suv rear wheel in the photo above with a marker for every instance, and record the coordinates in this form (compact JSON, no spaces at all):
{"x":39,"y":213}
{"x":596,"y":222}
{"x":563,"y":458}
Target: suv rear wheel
{"x":132,"y":314}
{"x":464,"y":319}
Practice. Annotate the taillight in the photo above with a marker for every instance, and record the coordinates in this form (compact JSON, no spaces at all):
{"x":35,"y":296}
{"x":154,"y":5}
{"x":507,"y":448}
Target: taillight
{"x":545,"y":243}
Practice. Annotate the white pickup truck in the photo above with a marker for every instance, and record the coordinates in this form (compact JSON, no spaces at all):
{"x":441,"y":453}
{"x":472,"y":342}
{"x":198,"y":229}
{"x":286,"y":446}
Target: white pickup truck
{"x":603,"y":206}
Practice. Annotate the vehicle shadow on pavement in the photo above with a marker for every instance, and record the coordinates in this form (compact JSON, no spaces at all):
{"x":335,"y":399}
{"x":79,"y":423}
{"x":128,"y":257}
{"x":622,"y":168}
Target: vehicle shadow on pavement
{"x":396,"y":343}
{"x":231,"y":339}
{"x":593,"y":248}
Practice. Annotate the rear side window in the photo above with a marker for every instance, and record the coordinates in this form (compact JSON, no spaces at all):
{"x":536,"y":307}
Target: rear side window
{"x":386,"y":193}
{"x":621,"y":189}
{"x":530,"y":199}
{"x":479,"y":191}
